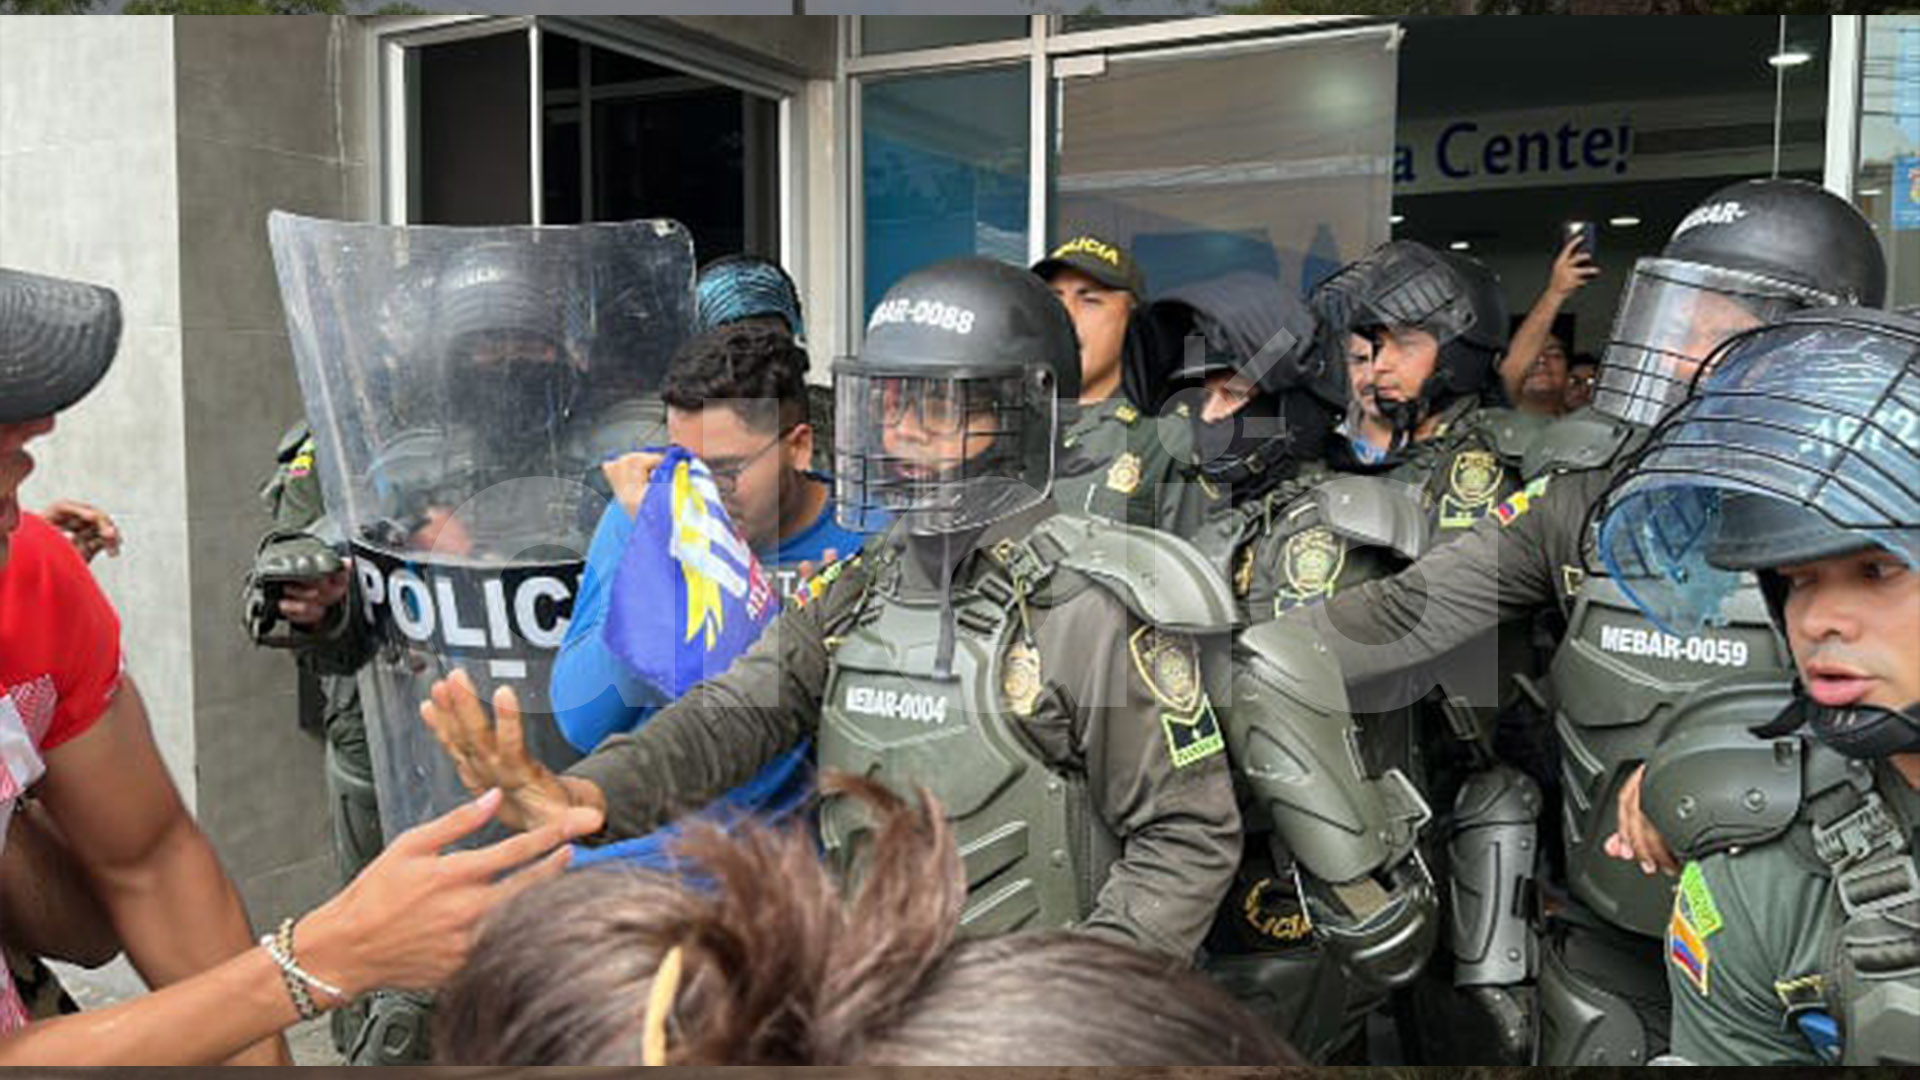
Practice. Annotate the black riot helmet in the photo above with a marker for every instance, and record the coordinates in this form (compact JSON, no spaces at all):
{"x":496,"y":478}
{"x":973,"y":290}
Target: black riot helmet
{"x":1406,"y":285}
{"x":1748,"y":255}
{"x":1247,"y":323}
{"x":949,"y":414}
{"x":1801,"y":443}
{"x":506,"y":324}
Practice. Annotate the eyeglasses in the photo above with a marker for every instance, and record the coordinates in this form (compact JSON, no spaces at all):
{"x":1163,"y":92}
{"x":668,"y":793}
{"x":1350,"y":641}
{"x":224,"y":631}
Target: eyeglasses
{"x":726,"y":476}
{"x":939,"y":408}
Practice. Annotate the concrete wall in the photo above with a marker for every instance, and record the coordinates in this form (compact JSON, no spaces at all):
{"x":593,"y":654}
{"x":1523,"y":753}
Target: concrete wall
{"x":89,"y":189}
{"x":145,"y":153}
{"x":802,"y":45}
{"x":269,"y":117}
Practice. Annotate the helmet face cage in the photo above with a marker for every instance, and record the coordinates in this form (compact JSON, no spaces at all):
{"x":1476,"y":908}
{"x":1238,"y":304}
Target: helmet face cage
{"x":947,"y":453}
{"x":1672,"y":317}
{"x":1398,"y":285}
{"x":1403,"y":285}
{"x":1813,"y":415}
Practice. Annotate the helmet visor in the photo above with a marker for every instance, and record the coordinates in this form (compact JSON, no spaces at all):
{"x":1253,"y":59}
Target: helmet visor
{"x":1673,"y":316}
{"x":951,"y":453}
{"x":1813,"y":416}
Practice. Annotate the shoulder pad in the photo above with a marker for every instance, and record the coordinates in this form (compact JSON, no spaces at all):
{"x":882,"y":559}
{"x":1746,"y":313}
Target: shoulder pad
{"x":1584,"y":440}
{"x":1374,"y":511}
{"x":1163,"y":579}
{"x":291,"y":442}
{"x":1713,"y":784}
{"x":1510,"y":432}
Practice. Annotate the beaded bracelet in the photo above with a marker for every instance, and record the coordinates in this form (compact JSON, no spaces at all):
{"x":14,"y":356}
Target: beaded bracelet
{"x":298,"y":979}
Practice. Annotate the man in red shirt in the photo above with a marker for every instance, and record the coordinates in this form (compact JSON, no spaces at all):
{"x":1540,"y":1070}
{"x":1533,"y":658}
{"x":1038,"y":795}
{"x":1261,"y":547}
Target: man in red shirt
{"x":72,"y":725}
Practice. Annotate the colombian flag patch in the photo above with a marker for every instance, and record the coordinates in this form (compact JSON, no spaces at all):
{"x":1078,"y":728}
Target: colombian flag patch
{"x":1520,"y":502}
{"x":1687,"y":949}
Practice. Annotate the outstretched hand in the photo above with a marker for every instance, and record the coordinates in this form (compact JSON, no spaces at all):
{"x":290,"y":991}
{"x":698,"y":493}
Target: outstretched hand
{"x":409,"y":919}
{"x":490,"y":751}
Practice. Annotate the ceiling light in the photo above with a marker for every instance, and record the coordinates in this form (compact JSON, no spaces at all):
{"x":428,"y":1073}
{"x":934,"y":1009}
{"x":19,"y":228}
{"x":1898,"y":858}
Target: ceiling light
{"x":1790,"y":58}
{"x":1395,"y":219}
{"x":1459,"y":245}
{"x":1624,"y":221}
{"x":1868,"y":193}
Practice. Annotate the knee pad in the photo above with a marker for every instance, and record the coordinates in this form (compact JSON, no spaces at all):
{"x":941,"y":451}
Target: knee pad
{"x":1492,"y":851}
{"x":1583,"y":1024}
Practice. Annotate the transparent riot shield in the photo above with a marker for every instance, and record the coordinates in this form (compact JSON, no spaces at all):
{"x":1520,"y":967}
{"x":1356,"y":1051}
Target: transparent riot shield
{"x":464,"y":386}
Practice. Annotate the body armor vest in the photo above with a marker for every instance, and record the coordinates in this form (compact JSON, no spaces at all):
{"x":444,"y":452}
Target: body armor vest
{"x":1616,"y":681}
{"x":1033,"y":850}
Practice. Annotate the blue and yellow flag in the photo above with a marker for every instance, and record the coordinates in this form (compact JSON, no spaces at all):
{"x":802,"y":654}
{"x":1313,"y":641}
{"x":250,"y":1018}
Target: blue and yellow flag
{"x":689,"y":595}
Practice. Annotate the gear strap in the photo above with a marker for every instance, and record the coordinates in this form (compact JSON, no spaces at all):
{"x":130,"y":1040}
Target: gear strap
{"x":1867,"y":847}
{"x":1870,"y":852}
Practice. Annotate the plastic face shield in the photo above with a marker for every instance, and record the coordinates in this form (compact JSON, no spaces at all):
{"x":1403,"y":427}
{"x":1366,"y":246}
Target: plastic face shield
{"x":1673,"y":316}
{"x":950,"y":452}
{"x":1815,"y":415}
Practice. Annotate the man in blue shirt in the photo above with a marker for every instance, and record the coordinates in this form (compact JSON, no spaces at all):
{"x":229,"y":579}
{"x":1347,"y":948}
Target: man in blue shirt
{"x":737,"y":398}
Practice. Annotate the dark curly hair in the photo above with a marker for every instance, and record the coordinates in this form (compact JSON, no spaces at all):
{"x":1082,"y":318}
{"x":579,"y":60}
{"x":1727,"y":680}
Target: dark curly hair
{"x":753,"y":369}
{"x":781,"y":968}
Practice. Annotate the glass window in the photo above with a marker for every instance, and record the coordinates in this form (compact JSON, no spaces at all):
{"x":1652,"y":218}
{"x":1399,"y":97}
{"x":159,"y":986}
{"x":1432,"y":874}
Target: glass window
{"x":900,"y":33}
{"x":1594,"y":120}
{"x":625,"y":138}
{"x":1888,"y":186}
{"x":1271,"y":158}
{"x":944,"y":171}
{"x":467,"y":160}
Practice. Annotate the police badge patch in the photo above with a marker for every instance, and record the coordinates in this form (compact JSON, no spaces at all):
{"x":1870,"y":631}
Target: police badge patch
{"x":1472,"y":485}
{"x":1020,"y":682}
{"x":1194,"y":737}
{"x":1312,"y":562}
{"x":1125,"y":474}
{"x":1169,"y":665}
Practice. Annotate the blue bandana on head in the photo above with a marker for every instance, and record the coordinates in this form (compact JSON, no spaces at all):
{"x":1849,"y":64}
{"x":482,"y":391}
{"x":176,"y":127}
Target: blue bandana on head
{"x":735,"y":289}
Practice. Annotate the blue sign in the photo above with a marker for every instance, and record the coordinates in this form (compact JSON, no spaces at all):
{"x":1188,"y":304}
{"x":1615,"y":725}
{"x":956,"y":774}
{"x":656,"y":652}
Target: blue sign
{"x":1906,"y":193}
{"x":1464,"y":150}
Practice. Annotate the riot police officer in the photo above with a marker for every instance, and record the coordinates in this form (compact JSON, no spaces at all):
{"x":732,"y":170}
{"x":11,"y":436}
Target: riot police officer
{"x":1424,"y":331}
{"x":1750,"y":253}
{"x":1331,"y":908}
{"x":1432,"y":327}
{"x":464,"y":387}
{"x":1113,"y":463}
{"x":1794,"y":936}
{"x":297,"y":597}
{"x":1048,"y":678}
